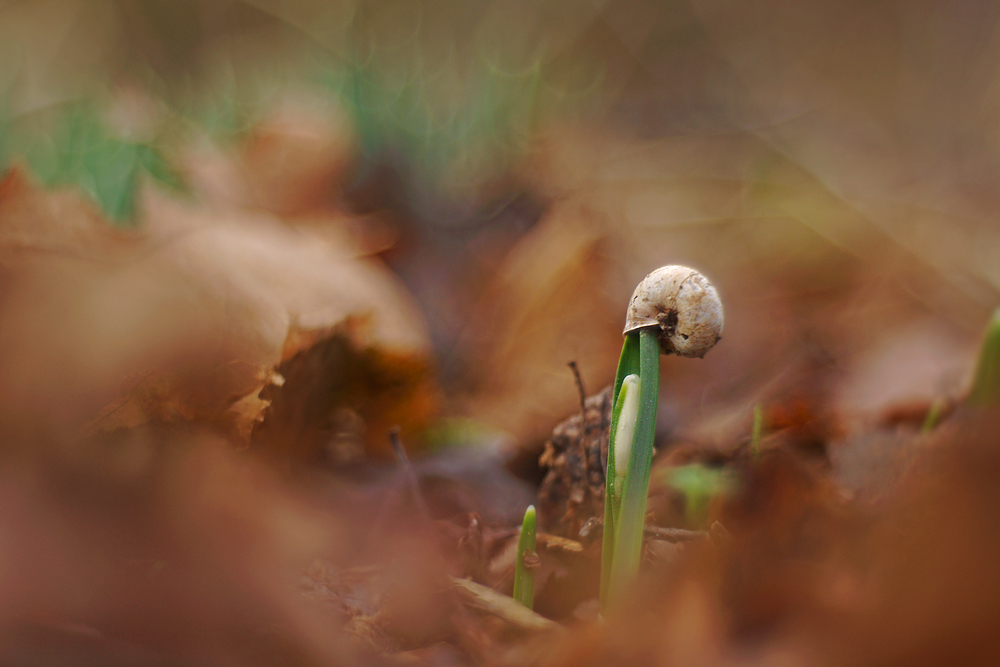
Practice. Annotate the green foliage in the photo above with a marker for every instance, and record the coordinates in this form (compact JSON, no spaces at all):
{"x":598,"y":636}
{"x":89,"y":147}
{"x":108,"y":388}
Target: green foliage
{"x":699,"y":484}
{"x":78,"y":150}
{"x":986,"y":384}
{"x":524,"y":576}
{"x":467,"y":130}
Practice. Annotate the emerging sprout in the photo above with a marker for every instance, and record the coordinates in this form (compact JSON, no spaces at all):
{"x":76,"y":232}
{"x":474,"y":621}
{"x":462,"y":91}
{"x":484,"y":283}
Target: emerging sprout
{"x":674,"y":310}
{"x":985,"y":390}
{"x":524,"y":573}
{"x":935,"y":413}
{"x":699,"y":484}
{"x":684,"y":307}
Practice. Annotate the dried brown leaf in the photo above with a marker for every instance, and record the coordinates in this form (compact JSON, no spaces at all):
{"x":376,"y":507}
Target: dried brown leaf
{"x":198,"y":309}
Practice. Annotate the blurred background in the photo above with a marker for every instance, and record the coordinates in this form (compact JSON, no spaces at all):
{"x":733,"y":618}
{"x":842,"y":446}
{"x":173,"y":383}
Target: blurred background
{"x":521,"y":166}
{"x":287,"y":226}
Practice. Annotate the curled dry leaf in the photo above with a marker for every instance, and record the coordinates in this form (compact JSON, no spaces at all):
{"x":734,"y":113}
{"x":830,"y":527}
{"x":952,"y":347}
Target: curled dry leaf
{"x":298,"y":157}
{"x":192,"y":318}
{"x":548,"y":305}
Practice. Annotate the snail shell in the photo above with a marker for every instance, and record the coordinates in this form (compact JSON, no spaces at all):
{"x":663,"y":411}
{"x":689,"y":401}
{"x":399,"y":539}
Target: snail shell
{"x":683,"y":305}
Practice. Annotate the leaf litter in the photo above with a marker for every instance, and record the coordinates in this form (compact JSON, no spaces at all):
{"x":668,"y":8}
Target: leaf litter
{"x":227,"y":498}
{"x":196,"y":411}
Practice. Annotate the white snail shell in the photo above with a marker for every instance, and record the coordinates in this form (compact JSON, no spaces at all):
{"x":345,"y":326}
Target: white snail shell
{"x":684,"y":307}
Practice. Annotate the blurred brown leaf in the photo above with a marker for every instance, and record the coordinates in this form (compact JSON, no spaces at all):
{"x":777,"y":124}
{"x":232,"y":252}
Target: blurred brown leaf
{"x":548,"y":305}
{"x":189,"y":318}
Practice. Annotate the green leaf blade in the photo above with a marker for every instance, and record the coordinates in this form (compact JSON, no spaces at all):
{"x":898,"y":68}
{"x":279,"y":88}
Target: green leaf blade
{"x":632,"y":515}
{"x":628,"y":364}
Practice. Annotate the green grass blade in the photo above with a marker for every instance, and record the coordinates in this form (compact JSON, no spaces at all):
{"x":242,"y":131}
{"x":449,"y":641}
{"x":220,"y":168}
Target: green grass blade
{"x":524,"y":577}
{"x":986,"y":385}
{"x":632,"y":515}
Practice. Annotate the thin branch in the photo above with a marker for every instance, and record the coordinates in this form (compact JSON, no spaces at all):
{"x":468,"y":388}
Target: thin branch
{"x":674,"y":534}
{"x":583,"y":395}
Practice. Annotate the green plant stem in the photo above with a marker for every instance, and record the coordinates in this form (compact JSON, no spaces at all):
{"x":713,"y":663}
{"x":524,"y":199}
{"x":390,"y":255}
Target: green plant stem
{"x":628,"y":364}
{"x":524,"y":577}
{"x":628,"y":529}
{"x":986,"y":385}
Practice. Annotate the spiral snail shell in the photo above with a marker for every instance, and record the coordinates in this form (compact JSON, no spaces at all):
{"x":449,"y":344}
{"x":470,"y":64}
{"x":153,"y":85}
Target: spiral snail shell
{"x":683,"y":305}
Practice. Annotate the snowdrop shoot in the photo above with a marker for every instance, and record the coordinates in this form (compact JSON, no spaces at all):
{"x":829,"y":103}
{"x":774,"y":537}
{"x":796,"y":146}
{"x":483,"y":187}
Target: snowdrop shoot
{"x":674,"y":310}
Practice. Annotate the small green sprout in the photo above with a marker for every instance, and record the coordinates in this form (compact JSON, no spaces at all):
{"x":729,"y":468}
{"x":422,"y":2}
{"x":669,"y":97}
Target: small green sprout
{"x":524,"y":572}
{"x":699,"y":484}
{"x":934,"y":415}
{"x":674,"y":310}
{"x":985,"y":390}
{"x":757,"y":431}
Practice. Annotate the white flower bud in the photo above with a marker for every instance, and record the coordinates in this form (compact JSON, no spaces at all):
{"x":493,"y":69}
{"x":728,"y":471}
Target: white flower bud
{"x":683,"y":305}
{"x":629,"y":397}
